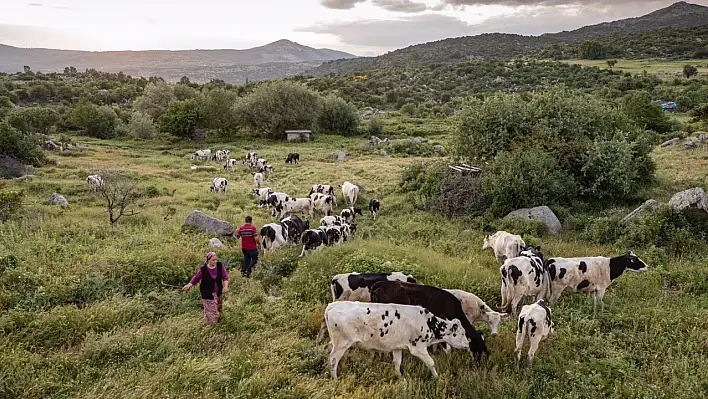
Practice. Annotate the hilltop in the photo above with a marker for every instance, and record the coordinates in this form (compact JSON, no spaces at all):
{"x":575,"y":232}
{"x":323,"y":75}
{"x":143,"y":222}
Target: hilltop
{"x":274,"y":60}
{"x":670,"y":22}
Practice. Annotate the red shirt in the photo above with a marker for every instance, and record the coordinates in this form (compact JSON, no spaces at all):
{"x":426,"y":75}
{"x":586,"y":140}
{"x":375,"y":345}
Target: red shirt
{"x":247,"y":233}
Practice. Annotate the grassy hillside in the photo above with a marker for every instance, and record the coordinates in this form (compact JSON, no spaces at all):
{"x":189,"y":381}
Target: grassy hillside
{"x":91,"y":311}
{"x":662,"y":69}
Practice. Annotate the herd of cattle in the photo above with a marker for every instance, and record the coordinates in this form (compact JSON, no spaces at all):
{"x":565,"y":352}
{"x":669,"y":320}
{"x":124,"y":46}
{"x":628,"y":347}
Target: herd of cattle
{"x":366,"y":306}
{"x":290,"y":229}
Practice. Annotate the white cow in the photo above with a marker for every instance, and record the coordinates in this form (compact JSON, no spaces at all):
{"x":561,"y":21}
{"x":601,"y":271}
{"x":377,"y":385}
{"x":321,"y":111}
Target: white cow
{"x":94,"y":182}
{"x":504,"y":245}
{"x":275,"y":235}
{"x":591,"y":275}
{"x":201,"y":154}
{"x":535,"y":321}
{"x":262,"y":193}
{"x":294,"y":205}
{"x":323,"y":203}
{"x":258,"y":179}
{"x":231,"y":164}
{"x":350,"y":192}
{"x":221,"y":155}
{"x":322,"y":189}
{"x":524,"y":276}
{"x":219,"y":185}
{"x":331,"y":221}
{"x":479,"y":312}
{"x":370,"y":326}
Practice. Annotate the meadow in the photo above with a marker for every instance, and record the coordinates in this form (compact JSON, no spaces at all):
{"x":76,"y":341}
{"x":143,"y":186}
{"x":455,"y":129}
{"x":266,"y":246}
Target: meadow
{"x":663,"y":69}
{"x":91,"y":311}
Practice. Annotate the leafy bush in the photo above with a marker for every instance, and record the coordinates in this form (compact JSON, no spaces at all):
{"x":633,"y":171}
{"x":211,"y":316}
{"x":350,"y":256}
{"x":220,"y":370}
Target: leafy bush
{"x":376,"y":127}
{"x":34,"y":119}
{"x":19,"y":146}
{"x":700,"y":113}
{"x":523,"y":179}
{"x":99,"y":122}
{"x":639,"y":108}
{"x":10,"y":204}
{"x":337,"y":117}
{"x":410,"y":148}
{"x":141,"y":126}
{"x":460,"y":195}
{"x":422,"y":182}
{"x":182,"y":118}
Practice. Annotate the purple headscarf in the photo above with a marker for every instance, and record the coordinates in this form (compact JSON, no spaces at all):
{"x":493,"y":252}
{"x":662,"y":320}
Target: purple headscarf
{"x":209,"y":256}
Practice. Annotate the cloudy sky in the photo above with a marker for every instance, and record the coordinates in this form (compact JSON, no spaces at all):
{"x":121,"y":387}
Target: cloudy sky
{"x":362,"y":27}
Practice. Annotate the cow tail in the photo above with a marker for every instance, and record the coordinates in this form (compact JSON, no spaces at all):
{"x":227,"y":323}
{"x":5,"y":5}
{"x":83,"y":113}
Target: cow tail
{"x":524,"y":331}
{"x":509,"y":291}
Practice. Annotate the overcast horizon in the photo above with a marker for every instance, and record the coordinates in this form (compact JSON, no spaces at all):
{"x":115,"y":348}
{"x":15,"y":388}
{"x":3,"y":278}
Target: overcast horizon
{"x":360,"y":27}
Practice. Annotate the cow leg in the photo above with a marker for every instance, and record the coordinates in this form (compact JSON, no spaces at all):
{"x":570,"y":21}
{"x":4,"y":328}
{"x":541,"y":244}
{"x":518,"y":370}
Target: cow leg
{"x":520,"y":336}
{"x":599,"y":294}
{"x":534,"y":341}
{"x":335,"y":356}
{"x":322,"y":332}
{"x":424,"y":356}
{"x":397,"y":357}
{"x":515,"y":302}
{"x":303,"y":252}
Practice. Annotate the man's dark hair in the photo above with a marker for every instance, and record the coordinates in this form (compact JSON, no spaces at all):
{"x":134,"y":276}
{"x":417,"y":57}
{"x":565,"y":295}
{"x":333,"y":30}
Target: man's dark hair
{"x":249,"y":219}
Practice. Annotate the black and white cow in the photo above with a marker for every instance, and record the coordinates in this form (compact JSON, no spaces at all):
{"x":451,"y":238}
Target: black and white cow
{"x":331,"y":221}
{"x":294,"y":205}
{"x":262,"y":193}
{"x":524,"y":276}
{"x":313,"y":239}
{"x":295,"y":227}
{"x":293,"y":157}
{"x":273,"y":199}
{"x":374,"y":206}
{"x":370,"y":326}
{"x":591,"y":275}
{"x":231,"y":164}
{"x":357,"y":287}
{"x":323,"y":203}
{"x":322,"y":189}
{"x":94,"y":182}
{"x":349,"y":214}
{"x":274,"y":235}
{"x":201,"y":154}
{"x":434,"y":299}
{"x":219,"y":185}
{"x":535,"y":320}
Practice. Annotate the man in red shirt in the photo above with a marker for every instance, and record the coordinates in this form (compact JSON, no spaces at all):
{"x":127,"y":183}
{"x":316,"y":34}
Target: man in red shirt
{"x":249,"y":245}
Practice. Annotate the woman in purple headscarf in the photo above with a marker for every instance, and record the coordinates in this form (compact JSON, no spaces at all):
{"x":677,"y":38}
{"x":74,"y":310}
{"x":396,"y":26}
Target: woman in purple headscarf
{"x":215,"y":283}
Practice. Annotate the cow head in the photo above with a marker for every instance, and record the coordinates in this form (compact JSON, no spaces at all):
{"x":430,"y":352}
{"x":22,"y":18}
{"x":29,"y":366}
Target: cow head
{"x":488,"y":242}
{"x":477,"y":344}
{"x":352,"y":228}
{"x":357,"y":211}
{"x":634,"y":264}
{"x":494,"y":320}
{"x":257,"y":192}
{"x":454,"y":334}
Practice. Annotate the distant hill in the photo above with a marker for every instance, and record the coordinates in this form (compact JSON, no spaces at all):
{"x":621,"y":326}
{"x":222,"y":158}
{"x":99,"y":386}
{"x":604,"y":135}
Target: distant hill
{"x":279,"y":59}
{"x":677,"y":15}
{"x":499,"y":46}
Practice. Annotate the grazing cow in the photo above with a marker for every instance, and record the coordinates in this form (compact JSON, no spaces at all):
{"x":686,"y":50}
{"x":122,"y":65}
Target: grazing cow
{"x":323,"y":203}
{"x":369,"y":326}
{"x":294,"y":205}
{"x":267,"y":170}
{"x":504,"y":244}
{"x":436,"y":300}
{"x":312,"y":240}
{"x":201,"y":154}
{"x":322,"y":189}
{"x":357,"y":287}
{"x":231,"y":164}
{"x":221,"y":155}
{"x":293,"y":158}
{"x":273,"y":199}
{"x":349,"y":214}
{"x":479,"y":312}
{"x":589,"y":275}
{"x":536,"y":322}
{"x":331,"y":221}
{"x":350,"y":192}
{"x":258,"y":179}
{"x":260,"y":163}
{"x":294,"y":227}
{"x":374,"y":206}
{"x":524,"y":276}
{"x":262,"y":193}
{"x":94,"y":182}
{"x":337,"y":234}
{"x":275,"y":235}
{"x":219,"y":185}
{"x":251,"y":157}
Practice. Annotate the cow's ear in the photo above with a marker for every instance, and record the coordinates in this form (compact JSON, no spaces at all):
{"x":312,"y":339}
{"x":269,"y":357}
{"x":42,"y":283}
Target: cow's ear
{"x":538,"y":248}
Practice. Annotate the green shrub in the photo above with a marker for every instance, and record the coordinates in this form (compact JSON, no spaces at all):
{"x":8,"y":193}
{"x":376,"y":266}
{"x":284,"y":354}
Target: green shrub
{"x":603,"y":230}
{"x":528,"y":229}
{"x":375,"y":127}
{"x":460,"y":195}
{"x":10,"y":204}
{"x":525,"y":178}
{"x":422,"y":182}
{"x":19,"y":146}
{"x":99,"y":122}
{"x":337,"y":116}
{"x":679,"y":233}
{"x":410,"y":148}
{"x":640,"y":109}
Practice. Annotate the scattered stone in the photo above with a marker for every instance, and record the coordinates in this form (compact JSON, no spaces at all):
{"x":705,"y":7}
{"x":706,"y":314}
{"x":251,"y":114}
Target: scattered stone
{"x":673,"y":141}
{"x":383,"y":153}
{"x":340,"y":155}
{"x":375,"y":141}
{"x":693,"y":200}
{"x":542,"y":213}
{"x":439,"y":149}
{"x":58,"y":199}
{"x":216,"y":243}
{"x":273,"y":298}
{"x":648,"y":207}
{"x":26,"y":177}
{"x":203,"y":222}
{"x":388,"y":263}
{"x":50,"y":145}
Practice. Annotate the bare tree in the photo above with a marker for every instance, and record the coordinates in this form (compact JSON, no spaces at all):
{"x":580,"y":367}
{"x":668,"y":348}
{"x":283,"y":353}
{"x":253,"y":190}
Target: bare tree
{"x":120,"y":193}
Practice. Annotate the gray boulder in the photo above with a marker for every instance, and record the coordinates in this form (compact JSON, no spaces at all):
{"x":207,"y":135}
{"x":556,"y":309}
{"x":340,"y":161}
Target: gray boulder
{"x":203,"y":222}
{"x":51,"y":145}
{"x":542,"y":213}
{"x":58,"y":199}
{"x":646,"y":208}
{"x":439,"y":148}
{"x":375,"y":141}
{"x":340,"y":155}
{"x":383,"y":153}
{"x":673,"y":141}
{"x":693,"y":200}
{"x":216,"y":243}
